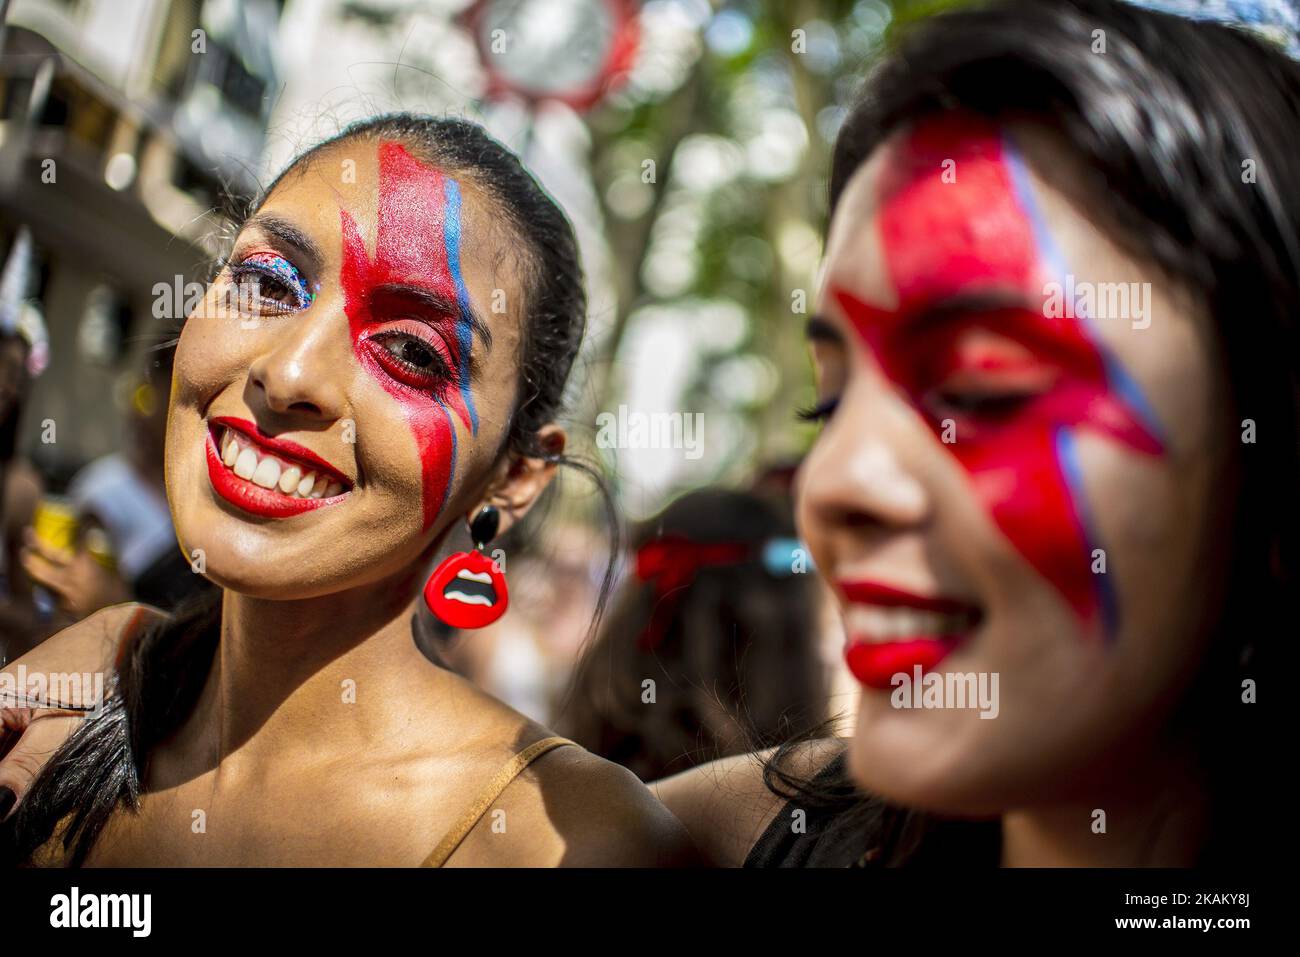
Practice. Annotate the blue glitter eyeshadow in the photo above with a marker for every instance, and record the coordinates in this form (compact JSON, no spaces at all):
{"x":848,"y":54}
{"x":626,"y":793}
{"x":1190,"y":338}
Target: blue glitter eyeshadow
{"x":281,"y":269}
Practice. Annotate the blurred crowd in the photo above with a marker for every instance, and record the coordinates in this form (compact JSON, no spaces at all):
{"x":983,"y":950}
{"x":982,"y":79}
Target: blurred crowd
{"x":99,"y":537}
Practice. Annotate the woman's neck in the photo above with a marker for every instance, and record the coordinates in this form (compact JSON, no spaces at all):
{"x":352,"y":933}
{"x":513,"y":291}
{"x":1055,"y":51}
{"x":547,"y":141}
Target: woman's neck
{"x":304,"y":677}
{"x":1154,"y":814}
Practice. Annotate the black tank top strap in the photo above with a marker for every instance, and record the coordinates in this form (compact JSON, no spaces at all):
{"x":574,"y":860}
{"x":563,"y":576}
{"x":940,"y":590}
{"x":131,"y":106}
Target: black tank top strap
{"x":804,"y":834}
{"x":861,"y":831}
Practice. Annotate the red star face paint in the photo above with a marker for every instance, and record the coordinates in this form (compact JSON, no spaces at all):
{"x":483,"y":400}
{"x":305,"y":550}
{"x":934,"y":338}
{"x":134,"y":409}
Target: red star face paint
{"x":409,"y":313}
{"x":969,"y":341}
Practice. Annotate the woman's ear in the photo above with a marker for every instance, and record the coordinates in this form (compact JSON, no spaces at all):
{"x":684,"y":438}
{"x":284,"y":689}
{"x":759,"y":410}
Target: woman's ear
{"x":521,"y":479}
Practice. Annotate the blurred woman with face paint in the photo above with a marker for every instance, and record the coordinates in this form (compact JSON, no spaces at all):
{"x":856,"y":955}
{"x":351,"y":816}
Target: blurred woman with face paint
{"x":343,"y":398}
{"x":1055,"y":488}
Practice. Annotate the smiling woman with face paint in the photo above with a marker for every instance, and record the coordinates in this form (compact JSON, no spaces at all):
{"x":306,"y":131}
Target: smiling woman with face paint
{"x":346,"y":393}
{"x":1063,"y":504}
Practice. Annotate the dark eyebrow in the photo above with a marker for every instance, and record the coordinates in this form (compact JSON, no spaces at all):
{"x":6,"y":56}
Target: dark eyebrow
{"x":289,"y":234}
{"x":966,"y":304}
{"x":820,"y":329}
{"x":928,"y":315}
{"x":286,"y":232}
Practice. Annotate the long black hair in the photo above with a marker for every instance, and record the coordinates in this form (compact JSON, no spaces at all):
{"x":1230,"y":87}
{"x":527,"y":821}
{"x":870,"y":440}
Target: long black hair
{"x":1189,"y":130}
{"x":161,"y":673}
{"x":711,"y":641}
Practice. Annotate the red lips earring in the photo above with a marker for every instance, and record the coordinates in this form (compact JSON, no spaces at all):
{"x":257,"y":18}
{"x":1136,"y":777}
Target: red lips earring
{"x":468,"y":590}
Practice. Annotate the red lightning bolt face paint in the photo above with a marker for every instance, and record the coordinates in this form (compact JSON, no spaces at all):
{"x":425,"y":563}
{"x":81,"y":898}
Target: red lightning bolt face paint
{"x":981,"y":236}
{"x":417,"y":245}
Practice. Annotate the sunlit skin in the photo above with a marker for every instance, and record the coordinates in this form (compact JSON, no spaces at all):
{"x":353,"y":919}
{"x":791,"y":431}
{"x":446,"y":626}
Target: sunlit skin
{"x":989,"y":521}
{"x":323,"y":735}
{"x":300,"y":374}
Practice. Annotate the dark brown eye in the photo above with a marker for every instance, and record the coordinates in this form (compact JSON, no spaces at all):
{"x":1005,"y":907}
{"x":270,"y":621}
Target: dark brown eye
{"x":409,"y":350}
{"x":255,"y":287}
{"x":410,"y":359}
{"x":271,"y":281}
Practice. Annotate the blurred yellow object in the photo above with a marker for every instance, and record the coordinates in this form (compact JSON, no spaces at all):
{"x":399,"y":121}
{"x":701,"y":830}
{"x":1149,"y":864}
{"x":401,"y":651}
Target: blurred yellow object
{"x":55,"y":523}
{"x":144,"y":399}
{"x":100,"y":547}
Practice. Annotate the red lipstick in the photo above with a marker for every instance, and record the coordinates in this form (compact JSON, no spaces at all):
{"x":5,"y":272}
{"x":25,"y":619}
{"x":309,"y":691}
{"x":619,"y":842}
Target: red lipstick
{"x":254,"y":499}
{"x":892,"y":631}
{"x":281,"y":447}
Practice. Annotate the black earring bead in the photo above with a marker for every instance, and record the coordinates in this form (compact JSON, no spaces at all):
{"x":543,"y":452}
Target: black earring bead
{"x":484,"y":527}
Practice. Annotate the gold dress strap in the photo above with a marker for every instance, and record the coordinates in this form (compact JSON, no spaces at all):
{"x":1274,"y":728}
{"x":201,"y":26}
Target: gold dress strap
{"x":511,"y":770}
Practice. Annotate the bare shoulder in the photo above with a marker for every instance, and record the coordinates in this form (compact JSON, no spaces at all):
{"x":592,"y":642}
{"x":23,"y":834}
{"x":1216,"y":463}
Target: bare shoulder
{"x":726,"y":805}
{"x":606,"y":814}
{"x":566,"y":808}
{"x":571,"y":808}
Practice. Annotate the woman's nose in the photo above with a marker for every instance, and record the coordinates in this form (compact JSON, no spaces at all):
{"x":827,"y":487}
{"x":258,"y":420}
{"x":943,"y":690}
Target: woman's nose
{"x":301,"y":369}
{"x":862,"y":471}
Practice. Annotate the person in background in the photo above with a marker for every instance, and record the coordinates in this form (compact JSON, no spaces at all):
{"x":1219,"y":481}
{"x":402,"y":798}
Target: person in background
{"x":126,"y":547}
{"x":20,"y":490}
{"x":23,"y":356}
{"x":778,"y":480}
{"x":527,"y":658}
{"x":710,"y":645}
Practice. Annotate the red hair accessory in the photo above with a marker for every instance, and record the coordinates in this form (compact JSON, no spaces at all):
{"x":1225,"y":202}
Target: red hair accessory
{"x":671,"y":563}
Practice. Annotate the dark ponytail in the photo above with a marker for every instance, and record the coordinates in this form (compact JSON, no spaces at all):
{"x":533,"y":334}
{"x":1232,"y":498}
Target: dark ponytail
{"x":102,"y":766}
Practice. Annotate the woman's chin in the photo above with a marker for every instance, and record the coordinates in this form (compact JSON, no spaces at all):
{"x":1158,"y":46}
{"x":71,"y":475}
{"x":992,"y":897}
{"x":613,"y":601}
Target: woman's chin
{"x":259,"y":581}
{"x":259,"y":562}
{"x":930,"y":761}
{"x":265,"y":563}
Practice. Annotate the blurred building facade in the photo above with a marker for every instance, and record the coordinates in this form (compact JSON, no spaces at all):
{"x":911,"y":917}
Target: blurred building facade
{"x":123,"y":123}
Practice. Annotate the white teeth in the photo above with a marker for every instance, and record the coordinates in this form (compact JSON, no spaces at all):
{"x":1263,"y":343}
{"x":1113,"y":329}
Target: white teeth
{"x":876,"y":624}
{"x":267,"y":473}
{"x":246,"y":464}
{"x":289,"y":479}
{"x":483,"y":577}
{"x":272,"y":473}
